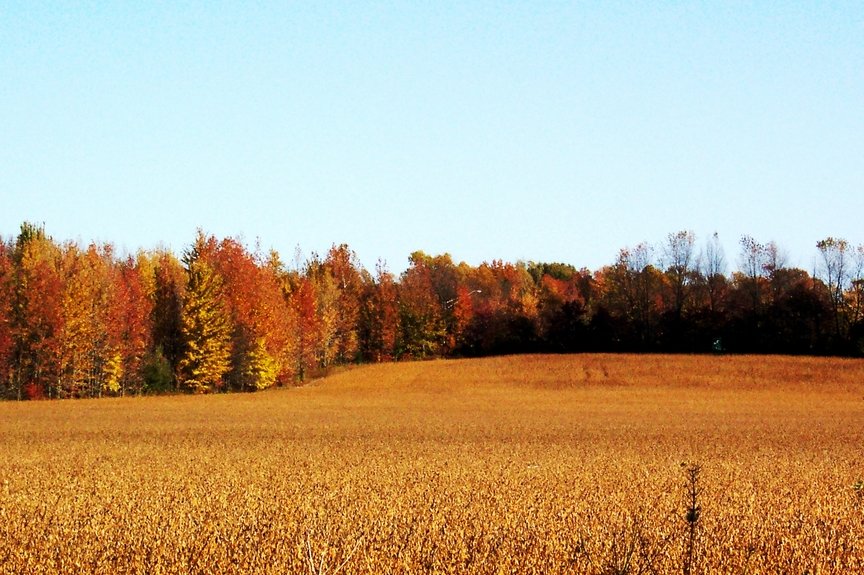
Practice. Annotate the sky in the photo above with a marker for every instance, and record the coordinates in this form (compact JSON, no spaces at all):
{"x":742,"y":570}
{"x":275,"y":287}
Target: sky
{"x":541,"y":131}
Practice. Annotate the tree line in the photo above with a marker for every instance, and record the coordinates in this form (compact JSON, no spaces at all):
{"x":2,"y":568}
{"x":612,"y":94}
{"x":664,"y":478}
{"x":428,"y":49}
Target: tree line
{"x":84,"y":322}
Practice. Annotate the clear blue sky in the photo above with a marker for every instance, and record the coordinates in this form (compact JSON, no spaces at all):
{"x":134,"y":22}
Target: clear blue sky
{"x":546,"y":131}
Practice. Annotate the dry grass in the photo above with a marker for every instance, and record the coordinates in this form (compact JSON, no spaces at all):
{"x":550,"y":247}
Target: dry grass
{"x":539,"y":464}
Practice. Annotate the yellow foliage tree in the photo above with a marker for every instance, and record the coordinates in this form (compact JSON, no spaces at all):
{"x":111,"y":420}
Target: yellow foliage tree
{"x":113,"y":373}
{"x":260,"y":368}
{"x":205,"y":325}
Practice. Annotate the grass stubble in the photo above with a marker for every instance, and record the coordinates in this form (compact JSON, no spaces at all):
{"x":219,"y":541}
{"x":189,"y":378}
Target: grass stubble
{"x":601,"y":464}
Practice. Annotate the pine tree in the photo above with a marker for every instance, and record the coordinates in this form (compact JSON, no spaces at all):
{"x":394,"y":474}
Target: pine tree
{"x":259,"y":369}
{"x":205,"y":325}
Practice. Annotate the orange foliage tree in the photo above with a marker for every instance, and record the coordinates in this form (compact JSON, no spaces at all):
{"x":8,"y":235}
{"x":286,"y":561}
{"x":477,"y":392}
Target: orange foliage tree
{"x":423,"y":329}
{"x":379,"y":316}
{"x":129,"y":322}
{"x":304,"y":307}
{"x":260,"y":317}
{"x":37,"y":314}
{"x":84,"y":358}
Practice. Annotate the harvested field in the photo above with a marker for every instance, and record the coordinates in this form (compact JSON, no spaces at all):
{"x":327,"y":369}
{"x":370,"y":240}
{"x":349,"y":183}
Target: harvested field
{"x":527,"y":464}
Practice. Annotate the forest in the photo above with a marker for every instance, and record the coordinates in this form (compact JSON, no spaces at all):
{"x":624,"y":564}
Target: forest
{"x":80,"y":321}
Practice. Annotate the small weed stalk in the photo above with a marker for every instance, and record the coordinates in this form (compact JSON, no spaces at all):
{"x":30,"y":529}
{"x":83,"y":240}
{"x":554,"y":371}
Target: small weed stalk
{"x":858,"y":492}
{"x":692,"y":516}
{"x":322,"y":566}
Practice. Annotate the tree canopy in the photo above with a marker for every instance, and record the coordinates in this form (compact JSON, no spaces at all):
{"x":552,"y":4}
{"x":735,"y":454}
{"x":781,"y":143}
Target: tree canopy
{"x":83,"y":321}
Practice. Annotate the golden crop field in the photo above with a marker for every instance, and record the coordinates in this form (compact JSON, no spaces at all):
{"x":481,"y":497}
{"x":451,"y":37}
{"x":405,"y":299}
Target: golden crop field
{"x":535,"y":464}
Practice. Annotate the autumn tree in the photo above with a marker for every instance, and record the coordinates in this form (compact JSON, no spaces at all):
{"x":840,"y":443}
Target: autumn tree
{"x":254,"y":301}
{"x":633,"y":293}
{"x":37,"y":314}
{"x":749,"y":296}
{"x":350,"y":277}
{"x":710,"y":294}
{"x":86,"y":362}
{"x":445,"y":279}
{"x":462,"y":315}
{"x":506,"y":310}
{"x":340,"y":284}
{"x":679,"y":263}
{"x":325,"y":301}
{"x":301,"y":294}
{"x":836,"y":264}
{"x":164,"y":279}
{"x":562,"y":305}
{"x":522,"y":308}
{"x":423,"y":330}
{"x":379,"y":316}
{"x":276,"y":318}
{"x":129,"y":321}
{"x":326,"y":312}
{"x":106,"y":329}
{"x":756,"y":287}
{"x":205,"y":323}
{"x":251,"y":366}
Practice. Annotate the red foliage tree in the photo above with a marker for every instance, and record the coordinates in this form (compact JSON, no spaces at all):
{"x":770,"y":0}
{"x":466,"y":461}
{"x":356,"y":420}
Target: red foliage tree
{"x":261,"y":318}
{"x":37,"y":314}
{"x":129,"y":321}
{"x":380,"y":316}
{"x":307,"y":327}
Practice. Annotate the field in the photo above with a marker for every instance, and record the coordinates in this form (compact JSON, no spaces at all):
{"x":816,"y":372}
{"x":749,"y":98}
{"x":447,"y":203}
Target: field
{"x":536,"y":464}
